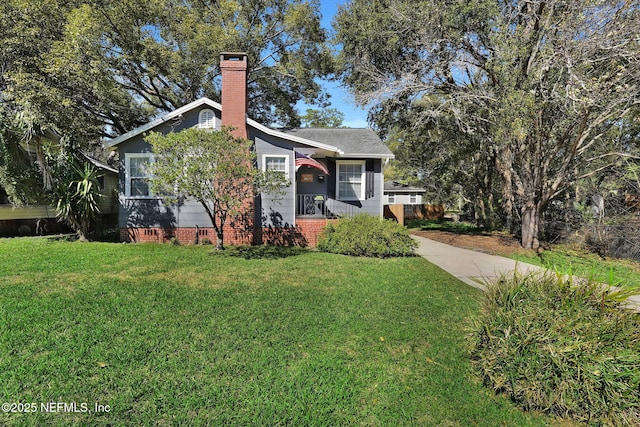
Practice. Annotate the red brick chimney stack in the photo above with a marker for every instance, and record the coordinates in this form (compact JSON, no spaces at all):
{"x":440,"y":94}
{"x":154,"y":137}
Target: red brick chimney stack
{"x":233,"y":66}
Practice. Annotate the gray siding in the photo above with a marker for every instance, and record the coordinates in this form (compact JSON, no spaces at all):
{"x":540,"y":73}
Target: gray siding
{"x":154,"y":212}
{"x":283,"y":211}
{"x":403,"y":198}
{"x":278,"y":211}
{"x":314,"y":187}
{"x":371,"y":206}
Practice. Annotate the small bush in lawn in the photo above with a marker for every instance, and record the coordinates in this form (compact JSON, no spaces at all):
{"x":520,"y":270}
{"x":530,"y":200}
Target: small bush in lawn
{"x":365,"y":235}
{"x":564,"y":348}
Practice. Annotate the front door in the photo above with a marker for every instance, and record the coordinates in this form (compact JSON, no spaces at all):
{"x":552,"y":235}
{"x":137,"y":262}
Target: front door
{"x":311,"y":185}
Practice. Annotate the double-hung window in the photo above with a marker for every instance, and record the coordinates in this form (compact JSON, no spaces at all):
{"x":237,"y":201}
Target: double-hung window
{"x":277,"y":163}
{"x":350,"y":180}
{"x":138,"y":175}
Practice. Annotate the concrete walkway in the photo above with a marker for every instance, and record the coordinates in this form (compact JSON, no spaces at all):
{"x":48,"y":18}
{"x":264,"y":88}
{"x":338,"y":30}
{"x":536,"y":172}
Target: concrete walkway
{"x":471,"y":267}
{"x":477,"y":268}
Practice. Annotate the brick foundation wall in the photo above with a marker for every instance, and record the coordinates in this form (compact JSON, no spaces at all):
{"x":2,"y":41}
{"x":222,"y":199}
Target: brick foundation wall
{"x":237,"y":231}
{"x":185,"y":235}
{"x":304,"y":234}
{"x":310,"y":229}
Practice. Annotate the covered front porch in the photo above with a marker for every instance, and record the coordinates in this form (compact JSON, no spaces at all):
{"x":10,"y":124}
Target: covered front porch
{"x":315,"y":193}
{"x":319,"y":205}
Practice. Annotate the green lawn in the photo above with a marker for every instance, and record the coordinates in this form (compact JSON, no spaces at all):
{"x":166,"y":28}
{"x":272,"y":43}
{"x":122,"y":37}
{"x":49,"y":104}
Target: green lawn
{"x":169,"y":335}
{"x":454,"y":227}
{"x":568,"y":260}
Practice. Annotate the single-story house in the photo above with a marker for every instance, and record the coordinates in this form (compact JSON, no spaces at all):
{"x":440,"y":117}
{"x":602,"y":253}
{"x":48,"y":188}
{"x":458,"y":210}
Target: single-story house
{"x":396,"y":193}
{"x":333,"y":173}
{"x":403,"y":202}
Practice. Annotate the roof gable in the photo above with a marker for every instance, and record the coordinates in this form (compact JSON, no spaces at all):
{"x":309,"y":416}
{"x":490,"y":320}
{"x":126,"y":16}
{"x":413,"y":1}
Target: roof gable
{"x":345,"y":142}
{"x":154,"y":123}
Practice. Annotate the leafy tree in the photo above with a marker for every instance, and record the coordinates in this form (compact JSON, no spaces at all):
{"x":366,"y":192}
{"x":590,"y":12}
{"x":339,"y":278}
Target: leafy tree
{"x":29,"y":31}
{"x":37,"y":168}
{"x":327,"y":118}
{"x":428,"y":153}
{"x":101,"y":68}
{"x":78,"y":198}
{"x":214,"y":168}
{"x":536,"y":88}
{"x":93,"y":69}
{"x":40,"y":125}
{"x":26,"y":148}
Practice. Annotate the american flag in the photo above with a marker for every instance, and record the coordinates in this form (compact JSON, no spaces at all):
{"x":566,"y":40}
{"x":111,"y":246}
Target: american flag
{"x":302,"y":160}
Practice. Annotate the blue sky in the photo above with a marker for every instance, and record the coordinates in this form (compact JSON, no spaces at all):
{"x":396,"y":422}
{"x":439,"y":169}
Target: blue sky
{"x":341,"y":100}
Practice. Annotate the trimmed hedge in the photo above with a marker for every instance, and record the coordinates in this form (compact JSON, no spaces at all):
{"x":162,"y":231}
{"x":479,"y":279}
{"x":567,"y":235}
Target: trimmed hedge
{"x":563,"y":348}
{"x":366,"y":235}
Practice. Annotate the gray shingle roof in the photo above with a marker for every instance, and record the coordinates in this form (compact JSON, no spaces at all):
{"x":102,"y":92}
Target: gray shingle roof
{"x":350,"y":143}
{"x":398,"y":187}
{"x":353,"y":142}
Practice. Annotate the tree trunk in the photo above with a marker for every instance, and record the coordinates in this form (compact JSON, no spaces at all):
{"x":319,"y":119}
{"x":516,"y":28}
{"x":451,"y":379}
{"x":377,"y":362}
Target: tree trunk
{"x":530,"y":225}
{"x":480,"y":211}
{"x":77,"y":227}
{"x":219,"y":239}
{"x":218,"y":225}
{"x":504,"y":164}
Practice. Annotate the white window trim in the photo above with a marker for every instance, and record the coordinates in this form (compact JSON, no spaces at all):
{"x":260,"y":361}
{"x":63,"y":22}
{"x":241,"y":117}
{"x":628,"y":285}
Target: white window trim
{"x":363,"y":181}
{"x":127,"y":180}
{"x":391,"y":198}
{"x":413,"y":198}
{"x":281,"y":156}
{"x":215,"y":119}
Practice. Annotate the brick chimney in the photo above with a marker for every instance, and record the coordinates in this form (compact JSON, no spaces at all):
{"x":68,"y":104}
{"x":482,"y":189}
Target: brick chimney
{"x":233,"y":66}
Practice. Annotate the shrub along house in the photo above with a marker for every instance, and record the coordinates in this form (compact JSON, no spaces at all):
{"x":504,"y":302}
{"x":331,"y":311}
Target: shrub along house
{"x":332,"y":173}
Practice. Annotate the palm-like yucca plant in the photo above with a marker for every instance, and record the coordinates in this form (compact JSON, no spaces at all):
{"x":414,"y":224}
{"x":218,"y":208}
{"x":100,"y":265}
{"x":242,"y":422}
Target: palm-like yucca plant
{"x":78,"y":200}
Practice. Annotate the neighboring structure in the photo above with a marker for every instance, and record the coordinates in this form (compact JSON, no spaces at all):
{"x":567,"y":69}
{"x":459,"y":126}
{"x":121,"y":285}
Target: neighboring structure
{"x":403,"y":202}
{"x":108,"y":181}
{"x":396,"y":193}
{"x":41,"y":219}
{"x":333,"y":173}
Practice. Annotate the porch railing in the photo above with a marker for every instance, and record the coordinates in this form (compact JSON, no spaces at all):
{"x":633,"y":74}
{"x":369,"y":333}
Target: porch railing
{"x":311,"y":205}
{"x":319,"y":205}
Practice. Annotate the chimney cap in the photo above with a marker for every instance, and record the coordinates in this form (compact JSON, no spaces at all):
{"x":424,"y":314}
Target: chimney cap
{"x":233,"y":56}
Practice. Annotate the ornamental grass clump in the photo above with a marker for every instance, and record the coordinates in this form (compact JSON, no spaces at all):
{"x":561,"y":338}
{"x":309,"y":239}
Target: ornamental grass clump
{"x":366,"y":235}
{"x":562,"y":347}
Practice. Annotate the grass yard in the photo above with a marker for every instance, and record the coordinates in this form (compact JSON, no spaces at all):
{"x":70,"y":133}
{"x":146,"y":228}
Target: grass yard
{"x":454,"y":227}
{"x":169,"y":335}
{"x":569,"y":260}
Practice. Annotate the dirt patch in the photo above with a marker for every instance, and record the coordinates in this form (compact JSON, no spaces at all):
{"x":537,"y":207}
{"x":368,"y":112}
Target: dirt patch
{"x":496,"y":244}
